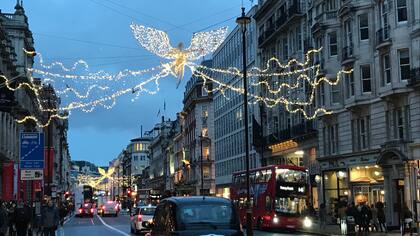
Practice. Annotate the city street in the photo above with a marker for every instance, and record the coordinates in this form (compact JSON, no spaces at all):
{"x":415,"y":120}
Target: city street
{"x":100,"y":226}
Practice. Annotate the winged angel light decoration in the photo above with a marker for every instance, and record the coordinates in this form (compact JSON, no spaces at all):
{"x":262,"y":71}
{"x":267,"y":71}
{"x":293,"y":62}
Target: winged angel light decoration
{"x":157,"y":42}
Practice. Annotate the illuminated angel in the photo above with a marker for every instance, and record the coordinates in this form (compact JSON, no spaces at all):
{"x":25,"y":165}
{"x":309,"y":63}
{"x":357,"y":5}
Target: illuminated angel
{"x":157,"y":42}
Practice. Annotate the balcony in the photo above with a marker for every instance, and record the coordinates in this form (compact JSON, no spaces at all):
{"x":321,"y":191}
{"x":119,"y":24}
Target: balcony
{"x":347,"y":55}
{"x":294,"y":9}
{"x":299,"y":132}
{"x":281,"y":20}
{"x":414,"y":77}
{"x":331,"y":15}
{"x":383,"y":37}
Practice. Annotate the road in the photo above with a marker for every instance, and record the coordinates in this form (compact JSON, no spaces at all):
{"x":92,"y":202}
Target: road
{"x":118,"y":226}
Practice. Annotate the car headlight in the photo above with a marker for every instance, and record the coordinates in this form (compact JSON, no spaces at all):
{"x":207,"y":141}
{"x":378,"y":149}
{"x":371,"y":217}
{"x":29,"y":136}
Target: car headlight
{"x":307,"y":222}
{"x":275,"y":219}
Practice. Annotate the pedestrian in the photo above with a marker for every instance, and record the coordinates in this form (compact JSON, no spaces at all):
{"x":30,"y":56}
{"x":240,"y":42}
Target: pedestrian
{"x":381,"y":217}
{"x":3,"y":219}
{"x":366,"y":215}
{"x":11,"y":213}
{"x":21,"y":219}
{"x":50,"y":219}
{"x":322,"y":216}
{"x":342,"y":216}
{"x":374,"y":220}
{"x":407,"y":219}
{"x":63,"y":213}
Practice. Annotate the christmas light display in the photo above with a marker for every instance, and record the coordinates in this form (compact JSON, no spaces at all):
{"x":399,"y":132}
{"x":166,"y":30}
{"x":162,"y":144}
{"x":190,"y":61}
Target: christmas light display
{"x":292,"y":84}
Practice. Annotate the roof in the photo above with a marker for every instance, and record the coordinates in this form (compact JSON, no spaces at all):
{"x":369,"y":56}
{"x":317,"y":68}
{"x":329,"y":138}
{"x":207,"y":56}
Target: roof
{"x":198,"y":200}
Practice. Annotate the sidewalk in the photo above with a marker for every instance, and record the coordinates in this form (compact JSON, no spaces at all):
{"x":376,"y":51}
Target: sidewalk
{"x":334,"y":230}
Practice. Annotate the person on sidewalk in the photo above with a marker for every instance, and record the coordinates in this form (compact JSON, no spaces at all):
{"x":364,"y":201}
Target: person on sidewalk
{"x":3,"y":219}
{"x":50,"y":219}
{"x":374,"y":222}
{"x":342,"y":215}
{"x":21,"y":218}
{"x":407,"y":219}
{"x":11,"y":212}
{"x":322,"y":216}
{"x":381,"y":217}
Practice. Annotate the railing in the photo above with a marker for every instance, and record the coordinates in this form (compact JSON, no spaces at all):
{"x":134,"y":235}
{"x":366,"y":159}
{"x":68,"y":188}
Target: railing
{"x":414,"y":76}
{"x":382,"y":35}
{"x":331,"y":15}
{"x":269,"y":32}
{"x":347,"y":52}
{"x":294,"y":9}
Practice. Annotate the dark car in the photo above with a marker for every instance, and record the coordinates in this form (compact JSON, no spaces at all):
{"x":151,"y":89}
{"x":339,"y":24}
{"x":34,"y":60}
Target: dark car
{"x":195,"y":216}
{"x":86,"y":209}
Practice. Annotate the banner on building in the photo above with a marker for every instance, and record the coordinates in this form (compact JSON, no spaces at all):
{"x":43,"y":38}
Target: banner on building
{"x":7,"y":181}
{"x":31,"y":150}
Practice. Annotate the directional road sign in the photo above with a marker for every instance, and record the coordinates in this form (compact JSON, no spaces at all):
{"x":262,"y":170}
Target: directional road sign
{"x":31,"y":150}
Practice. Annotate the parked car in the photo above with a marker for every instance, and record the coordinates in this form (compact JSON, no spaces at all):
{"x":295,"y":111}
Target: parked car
{"x":138,"y":216}
{"x":195,"y":216}
{"x":86,"y":209}
{"x":109,"y":208}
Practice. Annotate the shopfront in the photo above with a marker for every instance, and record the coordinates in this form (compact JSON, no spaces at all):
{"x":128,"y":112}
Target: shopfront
{"x":367,"y":184}
{"x":336,"y":189}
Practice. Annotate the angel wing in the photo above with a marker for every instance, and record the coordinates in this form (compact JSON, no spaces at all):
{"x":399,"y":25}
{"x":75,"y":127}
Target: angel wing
{"x":101,"y":171}
{"x":153,"y":40}
{"x":203,"y":43}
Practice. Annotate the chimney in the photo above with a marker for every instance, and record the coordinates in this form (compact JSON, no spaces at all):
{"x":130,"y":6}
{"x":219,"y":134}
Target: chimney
{"x":163,"y":119}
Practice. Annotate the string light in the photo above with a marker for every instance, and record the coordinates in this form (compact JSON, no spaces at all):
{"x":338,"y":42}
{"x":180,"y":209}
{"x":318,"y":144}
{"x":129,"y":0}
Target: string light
{"x":103,"y":89}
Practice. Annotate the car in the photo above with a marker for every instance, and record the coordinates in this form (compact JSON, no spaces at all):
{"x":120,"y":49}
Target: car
{"x":109,"y":208}
{"x":86,"y":209}
{"x":139,"y":215}
{"x":199,"y":215}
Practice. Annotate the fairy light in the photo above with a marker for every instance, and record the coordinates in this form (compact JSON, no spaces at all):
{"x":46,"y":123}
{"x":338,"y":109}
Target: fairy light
{"x":291,"y":77}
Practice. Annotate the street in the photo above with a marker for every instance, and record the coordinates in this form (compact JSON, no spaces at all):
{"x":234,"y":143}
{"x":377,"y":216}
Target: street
{"x":101,"y":226}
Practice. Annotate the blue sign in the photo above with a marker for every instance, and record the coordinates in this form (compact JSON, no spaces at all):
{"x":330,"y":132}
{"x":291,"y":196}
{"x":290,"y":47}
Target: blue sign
{"x":31,"y":150}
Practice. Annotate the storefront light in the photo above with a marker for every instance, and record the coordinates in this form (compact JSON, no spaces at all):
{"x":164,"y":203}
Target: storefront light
{"x":346,"y":193}
{"x":299,"y":152}
{"x":341,"y":174}
{"x":358,"y":167}
{"x":317,"y":179}
{"x":382,"y":192}
{"x":377,"y":173}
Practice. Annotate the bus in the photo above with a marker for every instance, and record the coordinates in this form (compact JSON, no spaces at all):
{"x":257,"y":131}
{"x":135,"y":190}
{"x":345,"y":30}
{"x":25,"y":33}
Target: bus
{"x":278,"y":196}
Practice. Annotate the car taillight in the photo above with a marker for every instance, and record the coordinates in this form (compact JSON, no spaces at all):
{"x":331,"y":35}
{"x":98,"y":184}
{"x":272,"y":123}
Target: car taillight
{"x":116,"y":207}
{"x":91,"y":210}
{"x":80,"y":210}
{"x":103,"y":207}
{"x":139,"y":217}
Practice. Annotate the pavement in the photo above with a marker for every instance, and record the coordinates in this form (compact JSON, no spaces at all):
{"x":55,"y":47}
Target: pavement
{"x":334,"y":230}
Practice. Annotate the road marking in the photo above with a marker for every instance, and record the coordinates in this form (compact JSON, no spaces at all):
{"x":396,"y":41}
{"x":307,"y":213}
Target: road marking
{"x":112,"y":228}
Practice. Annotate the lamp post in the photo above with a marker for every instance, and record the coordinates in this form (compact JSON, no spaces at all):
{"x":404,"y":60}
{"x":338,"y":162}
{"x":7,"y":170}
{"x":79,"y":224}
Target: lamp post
{"x":201,"y":160}
{"x":243,"y":20}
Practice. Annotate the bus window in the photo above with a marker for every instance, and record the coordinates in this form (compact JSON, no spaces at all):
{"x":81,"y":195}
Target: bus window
{"x":268,"y":203}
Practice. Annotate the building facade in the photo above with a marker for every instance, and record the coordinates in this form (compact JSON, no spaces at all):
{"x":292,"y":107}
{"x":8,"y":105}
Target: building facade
{"x":368,"y":148}
{"x":229,"y":129}
{"x":193,"y":147}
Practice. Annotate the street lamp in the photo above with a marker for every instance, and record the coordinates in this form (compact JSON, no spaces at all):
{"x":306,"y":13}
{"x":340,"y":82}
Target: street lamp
{"x":201,"y":157}
{"x":243,"y":20}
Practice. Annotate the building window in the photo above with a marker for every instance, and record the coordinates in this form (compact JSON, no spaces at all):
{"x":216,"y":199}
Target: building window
{"x":335,"y":94}
{"x":364,"y":132}
{"x":333,"y":139}
{"x":332,"y":39}
{"x":321,"y":94}
{"x":285,"y":49}
{"x":204,"y":132}
{"x":366,"y":78}
{"x":404,"y":59}
{"x":136,"y":158}
{"x":364,"y":27}
{"x":324,"y":137}
{"x":331,"y":5}
{"x":349,"y":84}
{"x":386,"y":69}
{"x":399,"y":123}
{"x":402,"y":10}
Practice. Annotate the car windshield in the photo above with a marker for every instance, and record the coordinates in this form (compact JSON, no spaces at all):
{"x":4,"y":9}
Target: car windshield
{"x":211,"y":215}
{"x":290,"y":205}
{"x":147,"y":211}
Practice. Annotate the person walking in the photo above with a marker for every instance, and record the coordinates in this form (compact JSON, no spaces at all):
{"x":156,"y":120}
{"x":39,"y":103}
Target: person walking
{"x":50,"y":219}
{"x":381,"y":217}
{"x":322,"y":216}
{"x":374,"y":221}
{"x":407,"y":219}
{"x":21,"y":219}
{"x":11,"y":213}
{"x":342,"y":216}
{"x":3,"y":219}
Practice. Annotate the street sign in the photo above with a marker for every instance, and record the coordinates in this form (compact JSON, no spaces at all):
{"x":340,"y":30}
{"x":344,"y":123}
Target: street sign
{"x":31,"y":174}
{"x":31,"y":150}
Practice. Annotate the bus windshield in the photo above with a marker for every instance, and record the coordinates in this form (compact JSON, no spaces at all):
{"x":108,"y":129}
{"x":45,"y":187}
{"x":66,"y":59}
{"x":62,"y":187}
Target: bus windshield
{"x":290,"y":205}
{"x":291,"y":176}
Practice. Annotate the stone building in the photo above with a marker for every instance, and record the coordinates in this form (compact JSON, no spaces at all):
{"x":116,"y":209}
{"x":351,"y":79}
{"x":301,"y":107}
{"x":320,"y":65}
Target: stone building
{"x":229,"y":132}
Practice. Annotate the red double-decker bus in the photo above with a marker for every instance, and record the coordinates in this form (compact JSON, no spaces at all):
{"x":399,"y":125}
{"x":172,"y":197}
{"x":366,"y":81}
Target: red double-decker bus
{"x":278,"y":196}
